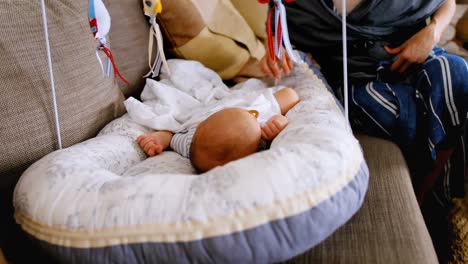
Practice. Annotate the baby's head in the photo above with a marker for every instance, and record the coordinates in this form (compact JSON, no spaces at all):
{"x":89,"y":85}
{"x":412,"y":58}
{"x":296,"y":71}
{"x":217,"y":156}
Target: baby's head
{"x":227,"y":135}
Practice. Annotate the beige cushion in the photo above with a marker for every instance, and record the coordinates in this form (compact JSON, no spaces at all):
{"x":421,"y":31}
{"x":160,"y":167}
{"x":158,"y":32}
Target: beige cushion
{"x":215,"y":33}
{"x":86,"y":100}
{"x":254,"y":14}
{"x":389,"y":228}
{"x":129,"y":42}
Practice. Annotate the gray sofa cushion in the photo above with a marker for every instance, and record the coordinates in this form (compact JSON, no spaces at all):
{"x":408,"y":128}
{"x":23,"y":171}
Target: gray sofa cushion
{"x":129,"y":42}
{"x":389,"y":228}
{"x":86,"y":100}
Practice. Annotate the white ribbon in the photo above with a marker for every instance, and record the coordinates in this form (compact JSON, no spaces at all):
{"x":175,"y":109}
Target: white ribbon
{"x":285,"y":32}
{"x":155,"y":33}
{"x":345,"y":58}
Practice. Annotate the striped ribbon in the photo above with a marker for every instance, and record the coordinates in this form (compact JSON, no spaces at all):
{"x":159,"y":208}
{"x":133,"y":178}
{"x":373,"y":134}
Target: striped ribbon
{"x":93,"y":23}
{"x":280,"y":37}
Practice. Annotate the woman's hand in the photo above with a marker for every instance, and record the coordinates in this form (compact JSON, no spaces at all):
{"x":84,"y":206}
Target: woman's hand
{"x":273,"y":69}
{"x":415,"y":50}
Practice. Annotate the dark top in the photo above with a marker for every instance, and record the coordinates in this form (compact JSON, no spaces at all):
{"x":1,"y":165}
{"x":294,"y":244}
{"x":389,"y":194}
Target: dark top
{"x":314,"y":27}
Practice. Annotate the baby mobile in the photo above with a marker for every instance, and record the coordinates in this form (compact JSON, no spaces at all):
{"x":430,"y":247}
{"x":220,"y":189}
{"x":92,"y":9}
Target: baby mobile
{"x":280,"y":37}
{"x":100,"y":23}
{"x":152,"y":8}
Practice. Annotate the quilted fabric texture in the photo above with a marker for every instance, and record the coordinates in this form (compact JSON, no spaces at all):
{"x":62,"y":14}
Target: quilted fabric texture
{"x":86,"y":100}
{"x":103,"y":201}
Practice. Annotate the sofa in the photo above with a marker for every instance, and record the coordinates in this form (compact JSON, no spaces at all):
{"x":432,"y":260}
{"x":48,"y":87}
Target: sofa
{"x":389,"y":228}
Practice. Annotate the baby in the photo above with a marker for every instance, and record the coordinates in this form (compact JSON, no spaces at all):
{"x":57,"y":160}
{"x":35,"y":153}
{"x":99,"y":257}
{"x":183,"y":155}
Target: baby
{"x":225,"y":136}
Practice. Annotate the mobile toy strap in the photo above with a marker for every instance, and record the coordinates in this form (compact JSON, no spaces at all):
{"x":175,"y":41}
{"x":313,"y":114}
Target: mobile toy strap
{"x":100,"y":22}
{"x":280,"y":36}
{"x":152,"y":8}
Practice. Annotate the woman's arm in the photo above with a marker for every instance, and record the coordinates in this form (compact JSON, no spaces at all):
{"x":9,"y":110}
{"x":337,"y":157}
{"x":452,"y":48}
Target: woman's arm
{"x":416,"y":49}
{"x":442,"y":17}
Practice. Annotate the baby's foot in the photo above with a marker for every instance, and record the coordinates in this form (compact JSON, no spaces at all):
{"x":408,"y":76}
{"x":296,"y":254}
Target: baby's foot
{"x":151,"y":143}
{"x":273,"y":127}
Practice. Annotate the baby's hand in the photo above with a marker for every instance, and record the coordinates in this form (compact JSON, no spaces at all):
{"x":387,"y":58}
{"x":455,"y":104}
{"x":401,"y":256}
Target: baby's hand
{"x":273,"y":127}
{"x":151,"y":143}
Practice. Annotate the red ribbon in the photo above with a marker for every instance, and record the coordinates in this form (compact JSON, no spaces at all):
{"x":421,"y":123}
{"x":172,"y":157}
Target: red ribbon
{"x":270,"y":37}
{"x":271,"y":48}
{"x":108,"y":53}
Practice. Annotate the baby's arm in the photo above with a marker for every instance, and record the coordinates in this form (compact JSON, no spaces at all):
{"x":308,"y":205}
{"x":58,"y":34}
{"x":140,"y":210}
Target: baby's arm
{"x":156,"y":142}
{"x":273,"y":127}
{"x":287,"y":98}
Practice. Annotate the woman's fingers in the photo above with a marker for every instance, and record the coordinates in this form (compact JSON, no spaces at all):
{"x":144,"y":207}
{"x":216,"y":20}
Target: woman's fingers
{"x":270,"y":68}
{"x":393,"y":51}
{"x":284,"y":64}
{"x":265,"y":67}
{"x":273,"y":68}
{"x":401,"y":64}
{"x":397,"y":64}
{"x":405,"y":66}
{"x":290,"y":62}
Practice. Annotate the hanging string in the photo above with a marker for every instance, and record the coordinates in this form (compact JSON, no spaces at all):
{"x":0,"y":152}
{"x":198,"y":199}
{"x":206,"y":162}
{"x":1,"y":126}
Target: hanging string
{"x":51,"y":74}
{"x":100,"y":63}
{"x":345,"y":57}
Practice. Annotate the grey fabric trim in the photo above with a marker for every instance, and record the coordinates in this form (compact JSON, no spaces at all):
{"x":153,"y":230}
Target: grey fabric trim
{"x":273,"y":242}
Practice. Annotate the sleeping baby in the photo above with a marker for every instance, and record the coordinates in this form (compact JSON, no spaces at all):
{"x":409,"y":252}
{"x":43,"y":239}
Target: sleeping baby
{"x":227,"y":135}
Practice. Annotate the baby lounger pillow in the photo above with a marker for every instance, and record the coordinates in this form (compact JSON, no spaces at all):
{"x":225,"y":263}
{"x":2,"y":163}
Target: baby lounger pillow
{"x":104,"y":201}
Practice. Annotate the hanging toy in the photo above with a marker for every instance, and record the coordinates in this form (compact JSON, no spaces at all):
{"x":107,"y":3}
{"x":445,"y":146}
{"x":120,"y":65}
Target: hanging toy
{"x":100,"y":22}
{"x":152,"y":8}
{"x":280,"y":38}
